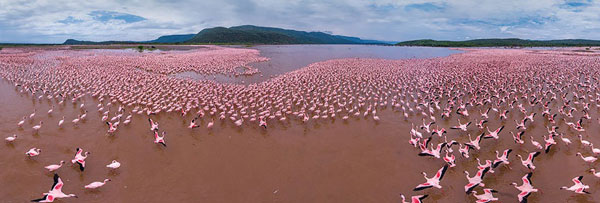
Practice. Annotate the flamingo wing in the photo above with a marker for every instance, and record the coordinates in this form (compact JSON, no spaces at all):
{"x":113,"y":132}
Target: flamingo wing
{"x":577,"y":180}
{"x":418,"y":198}
{"x":523,"y":197}
{"x":422,"y":186}
{"x":46,"y":198}
{"x":469,"y":187}
{"x":527,"y":178}
{"x":440,"y":174}
{"x":58,"y":183}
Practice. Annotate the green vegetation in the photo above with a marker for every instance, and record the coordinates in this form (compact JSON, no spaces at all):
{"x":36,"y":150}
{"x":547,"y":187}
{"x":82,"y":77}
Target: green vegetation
{"x":249,"y":34}
{"x":244,"y":35}
{"x":510,"y":42}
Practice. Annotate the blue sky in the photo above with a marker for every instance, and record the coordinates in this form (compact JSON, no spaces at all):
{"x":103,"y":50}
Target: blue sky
{"x":53,"y":21}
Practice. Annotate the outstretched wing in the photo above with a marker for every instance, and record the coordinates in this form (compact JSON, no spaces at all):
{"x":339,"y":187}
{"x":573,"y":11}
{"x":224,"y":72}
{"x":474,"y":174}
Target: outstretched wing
{"x":58,"y":183}
{"x":533,"y":155}
{"x":527,"y":178}
{"x":48,"y":198}
{"x":499,"y":129}
{"x":418,"y":198}
{"x":469,"y":187}
{"x":440,"y":174}
{"x":422,"y":186}
{"x":577,"y":180}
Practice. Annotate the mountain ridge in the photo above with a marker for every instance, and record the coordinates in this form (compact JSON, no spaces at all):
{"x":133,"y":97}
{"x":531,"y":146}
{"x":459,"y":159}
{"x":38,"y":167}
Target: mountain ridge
{"x":244,"y":34}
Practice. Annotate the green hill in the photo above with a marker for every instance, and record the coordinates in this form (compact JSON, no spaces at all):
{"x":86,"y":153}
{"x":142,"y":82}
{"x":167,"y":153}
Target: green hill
{"x":250,"y":34}
{"x":508,"y":42}
{"x":173,"y":38}
{"x":245,"y":34}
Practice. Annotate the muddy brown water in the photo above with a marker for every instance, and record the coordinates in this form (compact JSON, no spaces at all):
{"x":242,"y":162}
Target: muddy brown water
{"x":358,"y":160}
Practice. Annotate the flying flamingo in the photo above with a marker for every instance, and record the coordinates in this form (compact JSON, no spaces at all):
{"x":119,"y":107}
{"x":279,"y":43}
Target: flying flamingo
{"x":578,"y":186}
{"x":487,"y":196}
{"x":525,"y":189}
{"x":414,"y":199}
{"x":159,"y":139}
{"x":153,"y":125}
{"x":434,"y":181}
{"x":55,"y":192}
{"x":80,"y":158}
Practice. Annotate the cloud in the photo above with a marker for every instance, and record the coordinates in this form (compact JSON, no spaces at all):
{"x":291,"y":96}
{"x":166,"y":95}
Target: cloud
{"x":105,"y":16}
{"x":428,"y":7}
{"x":54,"y":21}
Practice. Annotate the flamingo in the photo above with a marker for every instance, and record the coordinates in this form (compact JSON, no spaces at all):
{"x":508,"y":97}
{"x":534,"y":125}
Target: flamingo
{"x":434,"y":181}
{"x":536,"y":144}
{"x":153,"y":125}
{"x":55,"y":167}
{"x":193,"y":124}
{"x":578,"y":186}
{"x":96,"y":184}
{"x":460,"y":126}
{"x":584,"y":142}
{"x":111,"y":128}
{"x":114,"y":164}
{"x":487,"y":196}
{"x":210,"y":124}
{"x":526,"y":188}
{"x":528,"y":163}
{"x":450,"y":160}
{"x":414,"y":199}
{"x":494,"y":134}
{"x":474,"y":143}
{"x":33,"y":152}
{"x":502,"y":159}
{"x":589,"y":159}
{"x":159,"y":139}
{"x":522,"y":124}
{"x":518,"y":137}
{"x":60,"y":123}
{"x":10,"y":139}
{"x":593,"y":171}
{"x":55,"y":192}
{"x":262,"y":123}
{"x":37,"y":127}
{"x":565,"y":140}
{"x":20,"y":124}
{"x":476,"y":180}
{"x":32,"y":114}
{"x":549,"y":142}
{"x":80,"y":158}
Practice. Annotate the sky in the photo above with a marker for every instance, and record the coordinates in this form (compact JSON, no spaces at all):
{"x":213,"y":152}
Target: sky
{"x":54,"y":21}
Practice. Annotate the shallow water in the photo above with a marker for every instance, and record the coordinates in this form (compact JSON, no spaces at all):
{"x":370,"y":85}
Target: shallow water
{"x":286,"y":58}
{"x":324,"y":160}
{"x":358,"y":160}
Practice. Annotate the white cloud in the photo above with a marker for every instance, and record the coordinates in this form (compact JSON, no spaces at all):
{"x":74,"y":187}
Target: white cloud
{"x":44,"y":20}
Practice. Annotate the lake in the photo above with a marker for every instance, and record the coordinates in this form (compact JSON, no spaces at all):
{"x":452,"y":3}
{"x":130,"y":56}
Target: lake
{"x":286,"y":58}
